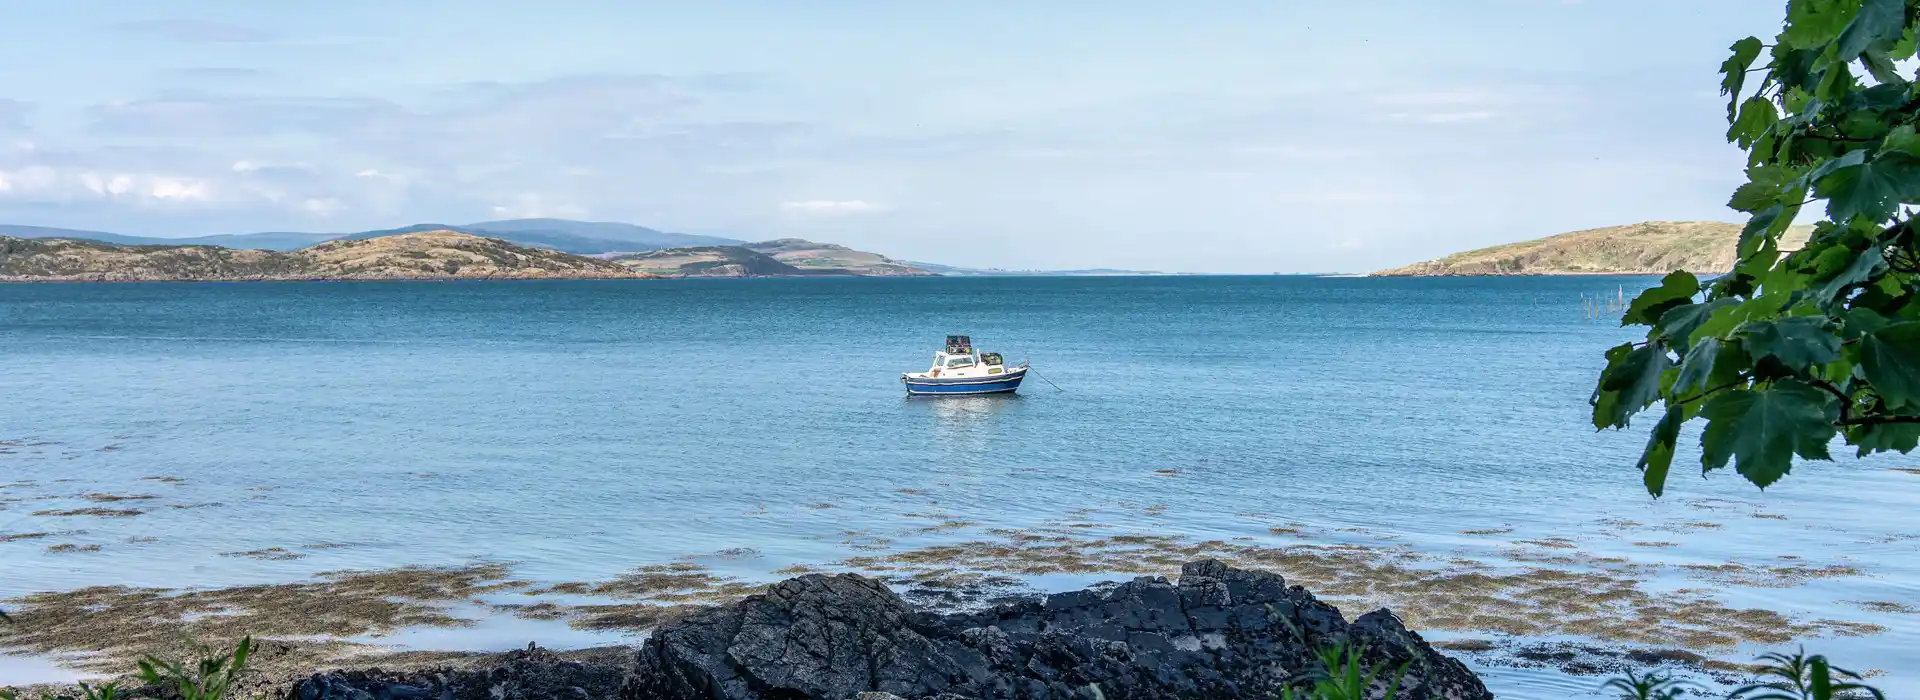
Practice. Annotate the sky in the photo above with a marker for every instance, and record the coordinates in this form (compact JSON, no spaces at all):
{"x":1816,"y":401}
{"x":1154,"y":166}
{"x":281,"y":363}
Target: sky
{"x":1220,"y":136}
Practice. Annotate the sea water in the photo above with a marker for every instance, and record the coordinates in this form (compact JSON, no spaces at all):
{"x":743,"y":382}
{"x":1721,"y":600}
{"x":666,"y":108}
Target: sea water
{"x":580,"y":429}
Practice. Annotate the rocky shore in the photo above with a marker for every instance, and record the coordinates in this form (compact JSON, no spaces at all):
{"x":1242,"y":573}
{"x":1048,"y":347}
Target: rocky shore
{"x":1218,"y":632}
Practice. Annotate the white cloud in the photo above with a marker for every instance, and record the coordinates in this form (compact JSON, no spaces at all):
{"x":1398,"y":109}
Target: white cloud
{"x":47,"y":184}
{"x":323,"y":207}
{"x":831,"y":206}
{"x":390,"y":178}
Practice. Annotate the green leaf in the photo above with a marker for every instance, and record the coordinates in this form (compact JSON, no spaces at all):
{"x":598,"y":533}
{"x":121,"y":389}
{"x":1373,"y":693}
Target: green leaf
{"x":1734,"y":70}
{"x":1861,"y":321}
{"x":1723,"y":321}
{"x":1631,"y":382}
{"x":1878,"y":25}
{"x":1860,"y":269}
{"x":1658,"y":457}
{"x":1766,"y":185}
{"x":1757,"y":115}
{"x":1884,"y":437}
{"x":1863,"y":124}
{"x":1697,"y":371}
{"x":1766,"y":222}
{"x":1676,"y":289}
{"x":1836,"y":83}
{"x":1902,"y":139}
{"x":1811,"y":24}
{"x":1798,"y":342}
{"x":1874,"y":189}
{"x":1760,"y":430}
{"x":1678,"y":324}
{"x":1890,"y":361}
{"x":1903,"y":49}
{"x":1880,"y":66}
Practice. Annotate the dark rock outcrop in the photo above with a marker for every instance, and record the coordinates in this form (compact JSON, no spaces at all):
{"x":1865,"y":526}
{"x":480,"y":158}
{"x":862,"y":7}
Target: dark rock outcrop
{"x":534,"y":674}
{"x":1221,"y":632}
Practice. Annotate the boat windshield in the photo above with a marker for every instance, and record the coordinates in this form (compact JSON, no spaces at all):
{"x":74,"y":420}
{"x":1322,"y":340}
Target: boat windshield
{"x":960,"y":362}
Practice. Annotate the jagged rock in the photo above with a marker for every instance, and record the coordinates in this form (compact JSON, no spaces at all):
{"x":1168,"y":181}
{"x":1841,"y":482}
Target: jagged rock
{"x":1221,"y":632}
{"x":534,"y":674}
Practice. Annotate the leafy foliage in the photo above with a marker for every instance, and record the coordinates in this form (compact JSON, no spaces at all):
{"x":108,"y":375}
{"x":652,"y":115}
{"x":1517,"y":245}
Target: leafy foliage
{"x":1795,"y":347}
{"x":104,"y":691}
{"x":1800,"y":677}
{"x":1794,"y":676}
{"x":212,"y":677}
{"x":1653,"y":686}
{"x":1344,"y":676}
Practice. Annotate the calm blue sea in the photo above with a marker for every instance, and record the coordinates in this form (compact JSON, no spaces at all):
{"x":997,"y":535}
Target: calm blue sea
{"x":583,"y":428}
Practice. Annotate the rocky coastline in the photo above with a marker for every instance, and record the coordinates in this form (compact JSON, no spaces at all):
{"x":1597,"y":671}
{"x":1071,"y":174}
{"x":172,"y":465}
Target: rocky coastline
{"x":1218,"y":631}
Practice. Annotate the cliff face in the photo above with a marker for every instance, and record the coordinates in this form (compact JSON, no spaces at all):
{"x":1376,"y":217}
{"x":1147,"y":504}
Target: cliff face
{"x":786,"y":257}
{"x":425,"y":255}
{"x":808,"y":255}
{"x":1652,"y":248}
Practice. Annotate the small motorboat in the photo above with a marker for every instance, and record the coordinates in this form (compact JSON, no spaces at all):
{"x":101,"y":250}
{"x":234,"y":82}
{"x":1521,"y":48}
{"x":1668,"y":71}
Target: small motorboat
{"x":959,"y":370}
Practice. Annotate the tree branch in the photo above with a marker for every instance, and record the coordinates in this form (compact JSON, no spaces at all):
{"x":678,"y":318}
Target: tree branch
{"x":1696,"y":397}
{"x":1879,"y":420}
{"x":1846,"y":402}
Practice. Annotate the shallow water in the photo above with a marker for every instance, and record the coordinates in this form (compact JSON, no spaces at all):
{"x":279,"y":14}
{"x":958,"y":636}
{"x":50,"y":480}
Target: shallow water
{"x":579,"y":429}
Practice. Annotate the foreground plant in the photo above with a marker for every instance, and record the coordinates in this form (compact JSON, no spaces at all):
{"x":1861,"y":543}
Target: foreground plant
{"x":210,"y":680}
{"x":105,"y":691}
{"x":1343,"y":676}
{"x":1653,"y":686}
{"x":1795,"y":347}
{"x":1801,"y":677}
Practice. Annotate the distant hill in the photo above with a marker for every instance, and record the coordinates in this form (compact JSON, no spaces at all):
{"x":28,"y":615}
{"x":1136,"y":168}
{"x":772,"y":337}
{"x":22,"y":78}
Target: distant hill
{"x":1650,"y":248}
{"x":581,"y":237}
{"x":440,"y":254}
{"x":713,"y":261}
{"x":808,"y":255}
{"x":786,"y":257}
{"x":680,"y":254}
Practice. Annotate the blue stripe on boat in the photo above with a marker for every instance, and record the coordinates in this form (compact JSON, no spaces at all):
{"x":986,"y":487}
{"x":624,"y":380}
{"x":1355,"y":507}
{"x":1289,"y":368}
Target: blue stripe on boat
{"x":969,"y":385}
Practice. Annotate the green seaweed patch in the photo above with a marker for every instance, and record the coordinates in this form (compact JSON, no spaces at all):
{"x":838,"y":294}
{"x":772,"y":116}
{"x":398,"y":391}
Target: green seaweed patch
{"x":69,"y":547}
{"x":1886,"y":606}
{"x":1553,"y":543}
{"x":116,"y":498}
{"x":1596,"y":597}
{"x":268,"y":554}
{"x":1488,"y":531}
{"x":113,"y":625}
{"x":17,"y":536}
{"x":164,"y":479}
{"x":1759,"y":576}
{"x":90,"y":512}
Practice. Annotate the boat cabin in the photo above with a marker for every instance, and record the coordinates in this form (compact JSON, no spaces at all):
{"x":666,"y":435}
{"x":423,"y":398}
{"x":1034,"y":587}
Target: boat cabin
{"x":960,"y":361}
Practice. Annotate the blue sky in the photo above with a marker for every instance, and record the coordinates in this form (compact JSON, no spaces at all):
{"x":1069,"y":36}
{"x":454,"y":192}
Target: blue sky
{"x":1220,"y":136}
